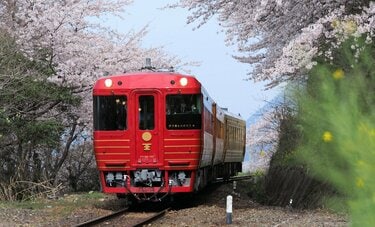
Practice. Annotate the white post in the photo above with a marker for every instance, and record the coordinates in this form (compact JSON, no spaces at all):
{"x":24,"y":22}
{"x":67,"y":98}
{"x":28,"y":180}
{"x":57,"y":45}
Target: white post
{"x":229,"y":209}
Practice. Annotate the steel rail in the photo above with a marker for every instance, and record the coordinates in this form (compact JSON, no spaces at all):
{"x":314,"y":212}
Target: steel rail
{"x":152,"y":218}
{"x":246,"y":177}
{"x":103,"y":218}
{"x":234,"y":178}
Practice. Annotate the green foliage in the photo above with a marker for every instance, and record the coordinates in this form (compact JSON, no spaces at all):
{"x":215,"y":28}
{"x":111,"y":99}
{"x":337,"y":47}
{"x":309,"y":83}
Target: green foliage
{"x":27,"y":97}
{"x":337,"y":116}
{"x":288,"y":141}
{"x":31,"y":125}
{"x":256,"y":187}
{"x":42,"y":132}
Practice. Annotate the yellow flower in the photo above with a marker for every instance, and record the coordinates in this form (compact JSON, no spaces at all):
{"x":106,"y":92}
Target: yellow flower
{"x":338,"y":74}
{"x":335,"y":23}
{"x":350,"y":26}
{"x":327,"y":136}
{"x":360,"y":183}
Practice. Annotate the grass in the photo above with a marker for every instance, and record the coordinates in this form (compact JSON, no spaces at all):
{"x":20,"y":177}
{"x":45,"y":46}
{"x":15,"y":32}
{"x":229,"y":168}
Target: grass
{"x":56,"y":209}
{"x":78,"y":200}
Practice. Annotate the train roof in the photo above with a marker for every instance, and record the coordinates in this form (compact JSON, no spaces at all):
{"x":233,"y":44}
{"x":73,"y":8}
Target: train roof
{"x":147,"y":80}
{"x":227,"y":113}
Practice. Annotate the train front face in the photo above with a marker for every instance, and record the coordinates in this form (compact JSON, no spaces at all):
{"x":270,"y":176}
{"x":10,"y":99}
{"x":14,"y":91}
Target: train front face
{"x":147,"y":133}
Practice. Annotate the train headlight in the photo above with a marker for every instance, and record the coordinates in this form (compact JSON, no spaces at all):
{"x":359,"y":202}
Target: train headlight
{"x":108,"y":83}
{"x":183,"y":81}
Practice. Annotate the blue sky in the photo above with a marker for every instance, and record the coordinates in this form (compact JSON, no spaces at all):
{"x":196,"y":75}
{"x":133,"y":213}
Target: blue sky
{"x":221,"y":75}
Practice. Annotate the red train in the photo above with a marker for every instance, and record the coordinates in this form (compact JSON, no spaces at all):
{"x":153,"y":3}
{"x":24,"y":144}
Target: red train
{"x":160,"y":133}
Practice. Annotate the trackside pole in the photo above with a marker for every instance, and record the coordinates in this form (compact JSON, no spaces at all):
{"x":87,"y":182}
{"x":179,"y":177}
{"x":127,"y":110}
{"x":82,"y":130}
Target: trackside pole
{"x":229,"y":209}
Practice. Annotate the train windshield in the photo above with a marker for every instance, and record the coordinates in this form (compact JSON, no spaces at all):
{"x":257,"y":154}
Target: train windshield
{"x":110,"y":113}
{"x":183,"y":111}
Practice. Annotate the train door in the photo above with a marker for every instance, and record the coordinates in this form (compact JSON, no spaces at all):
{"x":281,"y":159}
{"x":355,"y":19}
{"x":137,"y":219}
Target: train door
{"x":147,"y":127}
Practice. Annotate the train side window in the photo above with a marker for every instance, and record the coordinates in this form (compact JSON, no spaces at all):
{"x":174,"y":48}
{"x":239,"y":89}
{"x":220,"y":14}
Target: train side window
{"x":110,"y":112}
{"x":183,"y":111}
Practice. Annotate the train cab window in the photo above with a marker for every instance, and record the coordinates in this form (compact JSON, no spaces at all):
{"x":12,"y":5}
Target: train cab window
{"x":110,"y":113}
{"x":183,"y":111}
{"x":146,"y":112}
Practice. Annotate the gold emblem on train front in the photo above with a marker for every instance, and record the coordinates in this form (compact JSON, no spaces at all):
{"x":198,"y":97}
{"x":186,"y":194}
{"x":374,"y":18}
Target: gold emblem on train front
{"x":146,"y":136}
{"x":146,"y":146}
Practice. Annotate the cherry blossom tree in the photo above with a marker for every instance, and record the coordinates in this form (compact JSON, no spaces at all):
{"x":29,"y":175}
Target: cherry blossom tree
{"x":68,"y":36}
{"x":262,"y":136}
{"x":67,"y":39}
{"x":261,"y":140}
{"x":280,"y":38}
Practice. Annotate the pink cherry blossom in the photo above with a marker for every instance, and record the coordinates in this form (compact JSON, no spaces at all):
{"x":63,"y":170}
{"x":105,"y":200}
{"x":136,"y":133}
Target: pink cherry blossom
{"x":279,"y":38}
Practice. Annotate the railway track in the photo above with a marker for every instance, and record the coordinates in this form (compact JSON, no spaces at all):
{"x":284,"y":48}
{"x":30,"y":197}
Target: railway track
{"x":235,"y":178}
{"x":124,"y":217}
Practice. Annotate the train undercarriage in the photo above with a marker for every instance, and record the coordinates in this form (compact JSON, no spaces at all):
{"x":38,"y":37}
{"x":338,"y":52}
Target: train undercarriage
{"x":154,"y":184}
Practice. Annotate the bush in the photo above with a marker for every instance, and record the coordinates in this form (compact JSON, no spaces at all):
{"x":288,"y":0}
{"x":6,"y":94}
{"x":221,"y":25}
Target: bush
{"x":337,"y":115}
